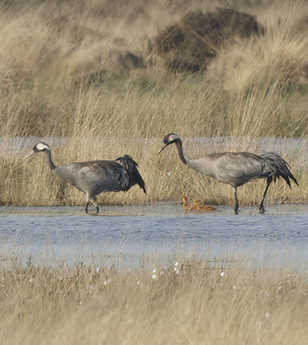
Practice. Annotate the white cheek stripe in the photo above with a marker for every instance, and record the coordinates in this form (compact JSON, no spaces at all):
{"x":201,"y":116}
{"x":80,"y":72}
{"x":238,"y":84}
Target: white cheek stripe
{"x":41,"y":146}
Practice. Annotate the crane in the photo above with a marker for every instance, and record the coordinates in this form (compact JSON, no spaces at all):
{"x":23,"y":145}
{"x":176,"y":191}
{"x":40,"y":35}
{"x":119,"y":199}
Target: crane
{"x":236,"y":168}
{"x":95,"y":177}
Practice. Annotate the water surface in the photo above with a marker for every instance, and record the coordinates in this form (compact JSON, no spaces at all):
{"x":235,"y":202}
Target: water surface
{"x":127,"y":234}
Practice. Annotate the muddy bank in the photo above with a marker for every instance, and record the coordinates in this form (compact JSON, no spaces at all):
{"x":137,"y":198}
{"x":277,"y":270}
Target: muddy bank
{"x":154,"y":209}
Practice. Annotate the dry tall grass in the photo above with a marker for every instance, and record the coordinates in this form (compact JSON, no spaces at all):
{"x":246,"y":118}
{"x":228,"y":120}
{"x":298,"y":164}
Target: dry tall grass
{"x":191,"y":301}
{"x":83,"y":70}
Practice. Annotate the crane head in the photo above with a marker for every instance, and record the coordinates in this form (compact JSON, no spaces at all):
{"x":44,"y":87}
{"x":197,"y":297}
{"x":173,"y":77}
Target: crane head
{"x":39,"y":147}
{"x":169,"y":139}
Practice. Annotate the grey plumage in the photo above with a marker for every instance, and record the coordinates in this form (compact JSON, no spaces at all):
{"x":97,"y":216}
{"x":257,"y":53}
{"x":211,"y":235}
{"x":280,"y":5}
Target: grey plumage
{"x":236,"y":168}
{"x":95,"y":177}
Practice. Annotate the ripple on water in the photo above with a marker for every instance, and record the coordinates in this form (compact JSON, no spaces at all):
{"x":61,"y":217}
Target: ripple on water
{"x":266,"y":239}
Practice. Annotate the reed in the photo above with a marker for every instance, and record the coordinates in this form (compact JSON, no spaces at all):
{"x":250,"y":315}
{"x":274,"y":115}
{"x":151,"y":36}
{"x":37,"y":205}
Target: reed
{"x":66,"y":71}
{"x":189,"y":300}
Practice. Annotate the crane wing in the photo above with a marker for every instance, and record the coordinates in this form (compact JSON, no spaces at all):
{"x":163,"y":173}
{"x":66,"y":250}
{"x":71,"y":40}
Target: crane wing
{"x":237,"y":168}
{"x":99,"y":176}
{"x":132,"y":172}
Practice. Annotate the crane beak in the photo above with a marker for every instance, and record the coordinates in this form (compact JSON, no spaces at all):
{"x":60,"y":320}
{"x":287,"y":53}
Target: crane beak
{"x":162,"y":149}
{"x":29,"y":154}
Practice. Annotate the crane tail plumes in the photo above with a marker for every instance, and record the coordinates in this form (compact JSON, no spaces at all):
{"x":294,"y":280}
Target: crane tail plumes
{"x":132,"y":171}
{"x":279,"y":167}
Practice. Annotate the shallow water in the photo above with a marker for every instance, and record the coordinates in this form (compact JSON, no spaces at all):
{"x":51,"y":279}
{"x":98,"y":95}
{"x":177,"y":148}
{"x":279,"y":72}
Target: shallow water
{"x":127,"y":235}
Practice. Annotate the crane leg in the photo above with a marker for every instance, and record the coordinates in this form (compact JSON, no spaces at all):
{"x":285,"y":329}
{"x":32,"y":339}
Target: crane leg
{"x":236,"y":201}
{"x":93,"y":201}
{"x":261,"y":206}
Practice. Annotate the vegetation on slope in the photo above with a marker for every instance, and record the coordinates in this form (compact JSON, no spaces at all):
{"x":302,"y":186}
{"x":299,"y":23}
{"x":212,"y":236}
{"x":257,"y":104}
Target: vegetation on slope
{"x":94,"y":71}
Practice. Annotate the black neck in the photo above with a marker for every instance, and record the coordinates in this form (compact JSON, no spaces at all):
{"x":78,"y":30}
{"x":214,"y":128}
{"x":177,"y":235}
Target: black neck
{"x":179,"y":147}
{"x":49,"y":160}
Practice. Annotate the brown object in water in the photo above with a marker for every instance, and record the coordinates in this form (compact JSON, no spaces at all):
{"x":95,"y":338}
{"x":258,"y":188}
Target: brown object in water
{"x":196,"y":205}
